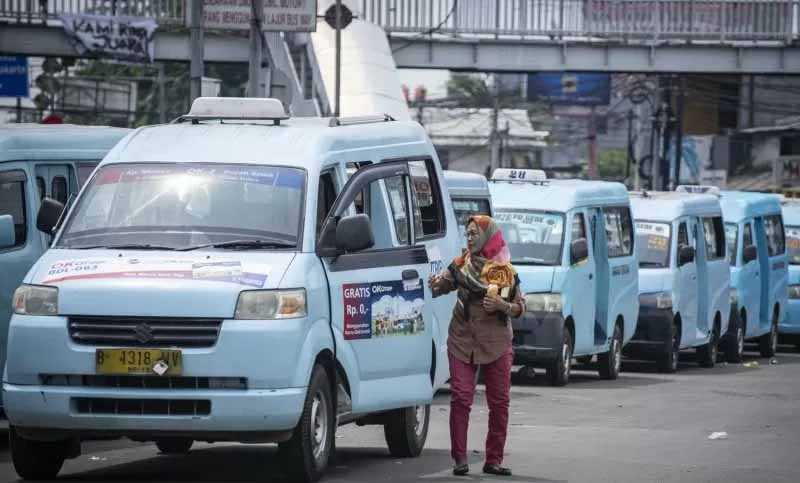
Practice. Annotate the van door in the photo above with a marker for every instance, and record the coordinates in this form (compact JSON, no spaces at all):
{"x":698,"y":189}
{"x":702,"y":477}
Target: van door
{"x":623,"y":293}
{"x":378,"y":295}
{"x":750,"y":283}
{"x":764,"y":318}
{"x":778,"y":270}
{"x":685,"y":294}
{"x":704,"y":239}
{"x":581,"y":283}
{"x":602,"y":275}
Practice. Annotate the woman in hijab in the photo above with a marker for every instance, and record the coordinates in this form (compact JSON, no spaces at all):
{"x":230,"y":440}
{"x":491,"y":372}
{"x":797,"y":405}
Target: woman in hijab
{"x":480,"y":336}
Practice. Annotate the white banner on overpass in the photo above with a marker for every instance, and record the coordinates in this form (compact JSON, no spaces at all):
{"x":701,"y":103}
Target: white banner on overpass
{"x":122,"y":38}
{"x":279,"y":15}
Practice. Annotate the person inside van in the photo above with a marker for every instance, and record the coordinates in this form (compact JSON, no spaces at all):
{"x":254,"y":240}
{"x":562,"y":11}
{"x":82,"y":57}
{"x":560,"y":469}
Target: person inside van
{"x":480,"y":335}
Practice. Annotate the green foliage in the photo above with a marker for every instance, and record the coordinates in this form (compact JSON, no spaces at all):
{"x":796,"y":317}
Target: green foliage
{"x":612,"y":163}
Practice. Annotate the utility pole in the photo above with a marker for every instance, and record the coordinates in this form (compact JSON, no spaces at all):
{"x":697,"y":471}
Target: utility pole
{"x":196,"y":68}
{"x":637,"y":152}
{"x":338,"y":85}
{"x":667,"y":127}
{"x":494,"y":134}
{"x":162,"y":95}
{"x":679,"y":133}
{"x":592,"y":146}
{"x":255,"y":86}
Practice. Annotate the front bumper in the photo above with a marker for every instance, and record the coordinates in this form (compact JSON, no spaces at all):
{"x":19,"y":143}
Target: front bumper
{"x":653,"y":331}
{"x":790,"y":325}
{"x":537,"y":337}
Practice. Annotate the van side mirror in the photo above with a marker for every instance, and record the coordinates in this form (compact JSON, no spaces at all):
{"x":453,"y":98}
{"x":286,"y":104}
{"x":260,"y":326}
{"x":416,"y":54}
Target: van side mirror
{"x":49,"y":214}
{"x":578,"y":251}
{"x":685,"y":255}
{"x":8,"y":236}
{"x":750,"y":253}
{"x":354,"y":233}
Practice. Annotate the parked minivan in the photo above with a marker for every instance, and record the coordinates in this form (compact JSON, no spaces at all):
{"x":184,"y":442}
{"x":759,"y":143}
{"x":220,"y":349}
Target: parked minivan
{"x":759,"y":275}
{"x":469,"y":193}
{"x":572,"y":243}
{"x":684,"y":277}
{"x":789,"y":327}
{"x":204,"y":289}
{"x":36,"y":162}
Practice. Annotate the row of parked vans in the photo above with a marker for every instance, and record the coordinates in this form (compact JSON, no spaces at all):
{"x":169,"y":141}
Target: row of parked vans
{"x":239,"y":275}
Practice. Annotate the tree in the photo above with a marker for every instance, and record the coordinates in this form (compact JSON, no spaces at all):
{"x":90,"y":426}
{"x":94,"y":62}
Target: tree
{"x":612,"y":163}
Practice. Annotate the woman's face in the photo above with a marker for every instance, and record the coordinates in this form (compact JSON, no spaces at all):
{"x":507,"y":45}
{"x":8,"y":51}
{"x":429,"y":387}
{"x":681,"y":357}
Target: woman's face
{"x":472,"y":236}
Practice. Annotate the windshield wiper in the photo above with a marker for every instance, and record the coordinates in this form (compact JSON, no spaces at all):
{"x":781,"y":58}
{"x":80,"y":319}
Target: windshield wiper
{"x":126,"y":246}
{"x":532,"y":262}
{"x":242,"y":244}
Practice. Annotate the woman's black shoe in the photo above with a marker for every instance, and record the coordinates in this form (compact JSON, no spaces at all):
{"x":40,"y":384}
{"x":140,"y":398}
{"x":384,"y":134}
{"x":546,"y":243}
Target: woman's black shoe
{"x":496,"y":470}
{"x":461,"y":470}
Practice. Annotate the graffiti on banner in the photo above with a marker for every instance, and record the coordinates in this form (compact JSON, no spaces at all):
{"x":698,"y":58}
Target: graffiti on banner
{"x":122,"y":38}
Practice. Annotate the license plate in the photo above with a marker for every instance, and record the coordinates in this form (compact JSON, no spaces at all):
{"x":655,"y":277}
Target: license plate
{"x":157,"y":362}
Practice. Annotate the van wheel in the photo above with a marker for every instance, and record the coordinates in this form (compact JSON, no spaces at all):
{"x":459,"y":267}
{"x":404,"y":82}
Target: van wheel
{"x":406,"y":431}
{"x":174,"y":445}
{"x":768,"y":343}
{"x":559,"y":369}
{"x":36,"y":460}
{"x":309,"y":448}
{"x":707,"y":354}
{"x":669,"y":361}
{"x":735,"y":350}
{"x":611,"y":362}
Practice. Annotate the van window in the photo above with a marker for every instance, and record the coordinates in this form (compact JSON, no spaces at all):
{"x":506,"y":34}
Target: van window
{"x":619,"y":231}
{"x":776,"y":243}
{"x":41,"y":186}
{"x":465,"y":208}
{"x":653,"y":241}
{"x":398,"y":201}
{"x":12,"y":202}
{"x":732,"y":238}
{"x":428,"y":208}
{"x":533,"y":237}
{"x":578,"y":227}
{"x":747,"y":236}
{"x":326,"y":195}
{"x":793,"y":244}
{"x":361,"y":203}
{"x":714,"y":237}
{"x":683,"y":235}
{"x":58,"y":189}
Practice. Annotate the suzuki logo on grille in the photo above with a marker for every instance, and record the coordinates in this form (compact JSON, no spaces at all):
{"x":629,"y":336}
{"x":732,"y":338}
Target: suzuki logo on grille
{"x":144,"y":333}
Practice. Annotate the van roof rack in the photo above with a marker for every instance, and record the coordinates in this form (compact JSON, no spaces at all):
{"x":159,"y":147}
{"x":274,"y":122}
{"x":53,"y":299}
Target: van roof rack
{"x":235,"y":109}
{"x":699,"y":189}
{"x":353,"y":120}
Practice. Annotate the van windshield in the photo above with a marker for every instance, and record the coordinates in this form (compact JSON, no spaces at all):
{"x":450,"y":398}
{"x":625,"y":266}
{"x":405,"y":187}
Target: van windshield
{"x":466,"y":207}
{"x":732,"y":239}
{"x":533,"y":237}
{"x":653,"y":242}
{"x":180,"y":206}
{"x":793,"y":244}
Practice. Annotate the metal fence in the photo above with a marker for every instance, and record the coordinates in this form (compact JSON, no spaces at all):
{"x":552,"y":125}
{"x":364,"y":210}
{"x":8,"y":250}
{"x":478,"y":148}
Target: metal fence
{"x":635,"y":19}
{"x":33,"y":11}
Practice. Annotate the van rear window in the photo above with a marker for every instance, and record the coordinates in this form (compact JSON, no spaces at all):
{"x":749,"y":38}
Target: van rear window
{"x":653,"y":240}
{"x":466,"y":208}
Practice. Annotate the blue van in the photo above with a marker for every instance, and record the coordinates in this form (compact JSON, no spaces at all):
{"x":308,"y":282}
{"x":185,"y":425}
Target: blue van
{"x":572,"y":243}
{"x":684,"y":277}
{"x":759,"y":269}
{"x":789,"y":328}
{"x":253,"y":291}
{"x":469,"y":193}
{"x":39,"y":161}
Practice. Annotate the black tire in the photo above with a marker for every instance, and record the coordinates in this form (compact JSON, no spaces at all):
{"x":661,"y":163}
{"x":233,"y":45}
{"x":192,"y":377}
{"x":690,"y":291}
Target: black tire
{"x":174,"y":445}
{"x":668,"y":362}
{"x":406,"y":431}
{"x":768,"y":343}
{"x":734,"y":353}
{"x":610,"y":363}
{"x":309,"y":449}
{"x":558,"y":370}
{"x":36,"y":460}
{"x":707,"y":354}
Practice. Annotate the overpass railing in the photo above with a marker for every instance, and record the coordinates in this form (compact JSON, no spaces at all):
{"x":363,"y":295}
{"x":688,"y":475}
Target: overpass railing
{"x":716,"y":20}
{"x":167,"y":12}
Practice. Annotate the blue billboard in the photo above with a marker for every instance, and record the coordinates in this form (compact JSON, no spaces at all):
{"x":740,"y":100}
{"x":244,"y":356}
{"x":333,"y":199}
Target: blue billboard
{"x":573,"y":89}
{"x":13,"y":76}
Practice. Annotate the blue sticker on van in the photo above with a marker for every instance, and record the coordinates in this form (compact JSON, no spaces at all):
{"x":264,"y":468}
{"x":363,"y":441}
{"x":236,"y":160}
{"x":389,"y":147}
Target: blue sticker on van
{"x":381,"y":309}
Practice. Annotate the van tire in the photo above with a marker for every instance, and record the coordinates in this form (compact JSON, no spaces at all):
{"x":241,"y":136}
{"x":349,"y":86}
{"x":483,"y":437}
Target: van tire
{"x":734,"y":353}
{"x":36,"y":460}
{"x":707,"y":354}
{"x":668,"y":362}
{"x":559,"y":369}
{"x":406,"y":431}
{"x":174,"y":445}
{"x":768,"y":343}
{"x":610,"y":363}
{"x":309,"y":449}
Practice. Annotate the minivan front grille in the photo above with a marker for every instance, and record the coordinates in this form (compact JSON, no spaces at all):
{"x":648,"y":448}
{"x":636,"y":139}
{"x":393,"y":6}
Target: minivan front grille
{"x":145,"y":382}
{"x":142,"y":407}
{"x":143,"y":331}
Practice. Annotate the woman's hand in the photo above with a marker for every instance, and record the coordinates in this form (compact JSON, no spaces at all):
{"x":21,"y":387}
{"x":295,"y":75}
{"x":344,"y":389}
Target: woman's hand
{"x":494,"y":303}
{"x":433,"y":281}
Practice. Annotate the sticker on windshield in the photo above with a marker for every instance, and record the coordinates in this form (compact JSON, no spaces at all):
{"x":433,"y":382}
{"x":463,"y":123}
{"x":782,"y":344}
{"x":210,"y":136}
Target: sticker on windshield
{"x":383,"y":309}
{"x":230,"y":271}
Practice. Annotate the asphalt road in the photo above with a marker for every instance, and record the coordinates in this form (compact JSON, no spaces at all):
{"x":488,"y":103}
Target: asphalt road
{"x":643,"y":427}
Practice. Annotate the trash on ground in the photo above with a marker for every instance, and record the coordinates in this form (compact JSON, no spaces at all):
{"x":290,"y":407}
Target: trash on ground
{"x":718,"y":435}
{"x":751,"y":364}
{"x":96,"y":458}
{"x":773,"y":361}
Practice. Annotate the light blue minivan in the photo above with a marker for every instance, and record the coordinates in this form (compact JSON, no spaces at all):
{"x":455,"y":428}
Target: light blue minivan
{"x":759,"y":268}
{"x":789,"y":328}
{"x":572,"y":243}
{"x":38,"y":161}
{"x":470,"y":195}
{"x":684,"y":277}
{"x":227,"y":277}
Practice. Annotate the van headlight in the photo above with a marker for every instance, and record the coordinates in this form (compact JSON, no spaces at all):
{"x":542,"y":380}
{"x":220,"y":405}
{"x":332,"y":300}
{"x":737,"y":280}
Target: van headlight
{"x":735,"y":295}
{"x":271,"y":304}
{"x":543,"y":302}
{"x":794,"y":291}
{"x":36,"y":300}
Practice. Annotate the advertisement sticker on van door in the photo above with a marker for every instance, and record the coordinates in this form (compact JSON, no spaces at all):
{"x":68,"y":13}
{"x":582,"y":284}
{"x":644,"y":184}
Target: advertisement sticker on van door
{"x":383,"y":309}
